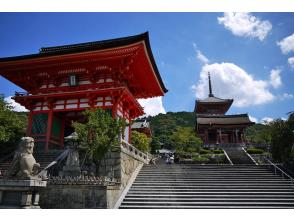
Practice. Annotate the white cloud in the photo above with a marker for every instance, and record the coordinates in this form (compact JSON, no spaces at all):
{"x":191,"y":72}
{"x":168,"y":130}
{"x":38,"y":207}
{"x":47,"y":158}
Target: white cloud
{"x":231,"y":81}
{"x":200,"y":56}
{"x":291,"y":62}
{"x":275,"y":78}
{"x":287,"y":44}
{"x":245,"y":25}
{"x":16,"y":107}
{"x":253,"y":119}
{"x":152,"y":106}
{"x":266,"y":120}
{"x":285,"y":96}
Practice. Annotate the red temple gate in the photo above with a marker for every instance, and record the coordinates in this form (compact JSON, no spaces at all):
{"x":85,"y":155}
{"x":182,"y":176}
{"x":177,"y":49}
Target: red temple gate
{"x":63,"y":81}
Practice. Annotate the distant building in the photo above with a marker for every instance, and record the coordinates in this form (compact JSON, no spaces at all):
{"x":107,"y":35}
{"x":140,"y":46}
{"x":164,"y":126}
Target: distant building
{"x":213,"y":126}
{"x":142,"y":126}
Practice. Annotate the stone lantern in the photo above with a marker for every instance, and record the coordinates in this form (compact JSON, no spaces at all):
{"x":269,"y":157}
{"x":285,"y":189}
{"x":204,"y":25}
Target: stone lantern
{"x":72,"y":166}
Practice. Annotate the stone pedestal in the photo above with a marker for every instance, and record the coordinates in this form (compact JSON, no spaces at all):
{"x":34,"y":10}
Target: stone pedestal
{"x":20,"y":193}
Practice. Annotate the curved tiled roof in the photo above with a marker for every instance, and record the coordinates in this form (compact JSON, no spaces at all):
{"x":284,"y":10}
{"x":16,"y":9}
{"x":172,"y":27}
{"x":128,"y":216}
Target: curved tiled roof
{"x":214,"y":99}
{"x":223,"y":119}
{"x":92,"y":46}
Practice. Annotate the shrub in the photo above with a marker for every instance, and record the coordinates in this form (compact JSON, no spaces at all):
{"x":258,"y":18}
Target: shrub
{"x":218,"y":151}
{"x":200,"y":159}
{"x":99,"y":134}
{"x":204,"y":151}
{"x":140,"y":141}
{"x":253,"y":150}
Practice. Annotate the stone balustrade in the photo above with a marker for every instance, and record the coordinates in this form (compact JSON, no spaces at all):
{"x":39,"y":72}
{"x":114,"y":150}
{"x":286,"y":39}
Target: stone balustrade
{"x":134,"y":152}
{"x":83,"y":180}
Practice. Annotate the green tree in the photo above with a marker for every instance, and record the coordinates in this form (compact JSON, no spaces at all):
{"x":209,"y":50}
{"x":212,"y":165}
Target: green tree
{"x":140,"y":141}
{"x":184,"y":137}
{"x":155,"y":145}
{"x":99,"y":134}
{"x":282,"y":140}
{"x":258,"y":133}
{"x":12,"y":127}
{"x":163,"y":125}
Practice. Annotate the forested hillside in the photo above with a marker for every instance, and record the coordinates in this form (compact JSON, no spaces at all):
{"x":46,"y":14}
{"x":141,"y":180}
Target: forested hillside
{"x":164,"y":125}
{"x":258,"y":133}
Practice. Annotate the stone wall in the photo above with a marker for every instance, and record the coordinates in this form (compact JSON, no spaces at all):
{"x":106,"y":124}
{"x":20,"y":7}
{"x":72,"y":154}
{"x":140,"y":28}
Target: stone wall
{"x":128,"y":166}
{"x":119,"y":165}
{"x":111,"y":165}
{"x":77,"y":196}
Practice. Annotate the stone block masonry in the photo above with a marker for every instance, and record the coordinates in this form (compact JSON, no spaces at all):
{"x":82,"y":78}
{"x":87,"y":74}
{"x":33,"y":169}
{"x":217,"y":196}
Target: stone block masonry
{"x":17,"y":193}
{"x":118,"y":165}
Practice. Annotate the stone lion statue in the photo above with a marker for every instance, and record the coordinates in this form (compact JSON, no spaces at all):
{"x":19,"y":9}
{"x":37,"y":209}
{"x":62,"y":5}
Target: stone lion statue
{"x":24,"y":165}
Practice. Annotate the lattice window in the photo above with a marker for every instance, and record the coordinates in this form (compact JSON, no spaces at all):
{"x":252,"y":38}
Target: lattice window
{"x":39,"y":125}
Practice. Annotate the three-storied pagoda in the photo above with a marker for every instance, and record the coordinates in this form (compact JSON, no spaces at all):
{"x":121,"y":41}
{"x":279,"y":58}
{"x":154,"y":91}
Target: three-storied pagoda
{"x":63,"y":81}
{"x":213,"y":126}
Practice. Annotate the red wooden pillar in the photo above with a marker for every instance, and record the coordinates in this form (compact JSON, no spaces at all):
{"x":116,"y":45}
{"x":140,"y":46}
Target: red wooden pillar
{"x":206,"y":136}
{"x":220,"y":136}
{"x":130,"y":131}
{"x":236,"y":133}
{"x":62,"y":132}
{"x":30,"y":124}
{"x":49,"y":128}
{"x":243,"y":136}
{"x":114,"y":110}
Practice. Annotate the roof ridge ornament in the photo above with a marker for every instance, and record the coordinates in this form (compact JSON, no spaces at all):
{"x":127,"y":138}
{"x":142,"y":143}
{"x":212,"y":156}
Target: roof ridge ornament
{"x":210,"y":88}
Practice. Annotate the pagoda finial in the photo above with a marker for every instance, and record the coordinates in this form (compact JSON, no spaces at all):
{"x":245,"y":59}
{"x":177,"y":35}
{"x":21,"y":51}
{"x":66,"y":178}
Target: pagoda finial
{"x":210,"y":89}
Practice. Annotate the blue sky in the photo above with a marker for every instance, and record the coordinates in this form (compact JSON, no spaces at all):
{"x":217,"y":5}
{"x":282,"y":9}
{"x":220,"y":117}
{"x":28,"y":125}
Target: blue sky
{"x":248,"y":55}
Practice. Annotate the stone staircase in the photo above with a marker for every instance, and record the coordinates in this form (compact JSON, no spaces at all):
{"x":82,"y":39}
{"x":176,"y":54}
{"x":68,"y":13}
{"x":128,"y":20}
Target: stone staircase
{"x":208,"y":186}
{"x":237,"y":155}
{"x":44,"y":158}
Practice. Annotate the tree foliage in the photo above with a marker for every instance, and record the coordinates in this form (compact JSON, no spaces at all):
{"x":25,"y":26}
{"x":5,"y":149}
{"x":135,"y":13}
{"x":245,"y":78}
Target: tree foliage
{"x":155,"y":145}
{"x":12,"y":127}
{"x":258,"y":133}
{"x":100,"y":133}
{"x":140,"y":141}
{"x":164,"y":125}
{"x":184,"y":138}
{"x":282,"y":140}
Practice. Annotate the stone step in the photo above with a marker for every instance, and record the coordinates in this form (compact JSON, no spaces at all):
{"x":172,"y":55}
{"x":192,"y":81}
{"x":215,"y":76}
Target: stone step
{"x":206,"y":167}
{"x":232,"y":186}
{"x":209,"y":181}
{"x":206,"y":176}
{"x":215,"y":203}
{"x":223,"y":199}
{"x":212,"y":195}
{"x":169,"y":184}
{"x":205,"y":171}
{"x":205,"y":207}
{"x":209,"y":189}
{"x":209,"y":178}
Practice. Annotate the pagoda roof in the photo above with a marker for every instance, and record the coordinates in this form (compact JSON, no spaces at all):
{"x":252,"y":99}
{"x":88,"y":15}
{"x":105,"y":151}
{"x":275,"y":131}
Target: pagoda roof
{"x":65,"y":52}
{"x":223,"y":105}
{"x":215,"y":100}
{"x":204,"y":119}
